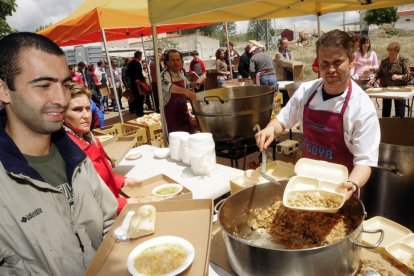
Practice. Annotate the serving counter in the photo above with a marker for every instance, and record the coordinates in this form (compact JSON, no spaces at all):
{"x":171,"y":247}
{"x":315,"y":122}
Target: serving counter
{"x":211,"y":186}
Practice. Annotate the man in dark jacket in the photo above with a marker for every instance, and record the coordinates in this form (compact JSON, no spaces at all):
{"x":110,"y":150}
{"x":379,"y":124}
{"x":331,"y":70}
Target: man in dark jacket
{"x":135,"y":75}
{"x":245,"y":62}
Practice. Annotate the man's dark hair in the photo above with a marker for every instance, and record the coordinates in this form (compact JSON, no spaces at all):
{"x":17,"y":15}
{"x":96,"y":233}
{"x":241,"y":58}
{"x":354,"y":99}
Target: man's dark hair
{"x":82,"y":64}
{"x":336,"y":38}
{"x":11,"y":47}
{"x":99,"y":63}
{"x":194,"y":53}
{"x":172,"y":51}
{"x":137,"y":54}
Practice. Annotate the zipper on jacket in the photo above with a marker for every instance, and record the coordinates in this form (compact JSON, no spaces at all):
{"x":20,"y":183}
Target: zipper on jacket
{"x":80,"y":243}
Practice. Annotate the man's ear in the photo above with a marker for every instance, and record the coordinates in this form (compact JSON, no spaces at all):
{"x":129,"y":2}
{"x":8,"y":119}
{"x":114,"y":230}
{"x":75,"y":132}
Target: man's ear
{"x":4,"y":92}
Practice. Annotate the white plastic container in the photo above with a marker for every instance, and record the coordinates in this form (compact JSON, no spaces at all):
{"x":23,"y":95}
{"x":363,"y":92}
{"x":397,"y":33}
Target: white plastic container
{"x":201,"y":149}
{"x":184,"y":147}
{"x":174,"y":139}
{"x":319,"y":180}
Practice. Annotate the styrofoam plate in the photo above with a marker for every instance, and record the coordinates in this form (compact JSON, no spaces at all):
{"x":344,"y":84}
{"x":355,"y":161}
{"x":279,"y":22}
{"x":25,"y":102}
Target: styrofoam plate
{"x":402,"y":253}
{"x":392,"y":231}
{"x":168,"y":189}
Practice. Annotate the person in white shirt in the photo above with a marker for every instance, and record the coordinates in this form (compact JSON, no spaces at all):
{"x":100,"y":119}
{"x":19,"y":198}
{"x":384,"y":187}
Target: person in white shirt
{"x":338,"y":119}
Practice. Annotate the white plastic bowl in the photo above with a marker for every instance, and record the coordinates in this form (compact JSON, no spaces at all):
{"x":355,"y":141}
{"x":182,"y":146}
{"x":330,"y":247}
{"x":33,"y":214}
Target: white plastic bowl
{"x":159,"y":241}
{"x":161,"y":153}
{"x":158,"y":191}
{"x":133,"y":156}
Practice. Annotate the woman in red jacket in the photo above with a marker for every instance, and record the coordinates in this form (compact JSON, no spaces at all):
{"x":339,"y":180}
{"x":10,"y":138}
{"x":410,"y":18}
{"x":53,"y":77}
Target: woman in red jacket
{"x":77,"y":125}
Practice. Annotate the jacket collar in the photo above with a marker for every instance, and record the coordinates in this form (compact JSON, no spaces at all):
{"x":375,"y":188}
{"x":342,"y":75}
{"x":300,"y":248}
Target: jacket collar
{"x":14,"y":162}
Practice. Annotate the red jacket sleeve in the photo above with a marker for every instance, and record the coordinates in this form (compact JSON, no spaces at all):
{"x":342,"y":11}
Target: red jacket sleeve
{"x":122,"y":201}
{"x":119,"y":180}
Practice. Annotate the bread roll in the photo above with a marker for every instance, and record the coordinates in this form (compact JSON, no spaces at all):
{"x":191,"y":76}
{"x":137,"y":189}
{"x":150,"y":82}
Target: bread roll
{"x":142,"y":222}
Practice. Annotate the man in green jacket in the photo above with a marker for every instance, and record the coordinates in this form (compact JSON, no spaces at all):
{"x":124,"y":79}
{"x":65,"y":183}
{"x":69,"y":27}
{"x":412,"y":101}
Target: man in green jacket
{"x":54,"y":207}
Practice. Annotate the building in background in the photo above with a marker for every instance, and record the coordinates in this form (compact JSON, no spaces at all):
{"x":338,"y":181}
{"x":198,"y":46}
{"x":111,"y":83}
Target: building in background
{"x":206,"y":46}
{"x":91,"y":53}
{"x":406,"y":18}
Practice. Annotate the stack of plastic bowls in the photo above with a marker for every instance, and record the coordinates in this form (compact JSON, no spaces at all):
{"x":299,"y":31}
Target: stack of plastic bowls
{"x":174,"y":140}
{"x":185,"y":155}
{"x":202,"y":154}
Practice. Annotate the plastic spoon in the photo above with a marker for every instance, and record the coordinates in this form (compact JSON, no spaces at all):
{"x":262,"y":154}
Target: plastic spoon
{"x":263,"y":173}
{"x":121,"y":232}
{"x":264,"y":159}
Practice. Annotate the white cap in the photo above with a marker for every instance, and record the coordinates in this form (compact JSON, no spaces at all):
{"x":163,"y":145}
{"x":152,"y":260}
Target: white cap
{"x":257,"y":44}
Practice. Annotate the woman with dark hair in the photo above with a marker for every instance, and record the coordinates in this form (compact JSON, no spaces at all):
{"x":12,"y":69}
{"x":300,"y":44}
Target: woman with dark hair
{"x":365,"y":62}
{"x":234,"y":59}
{"x":77,"y":122}
{"x":393,"y":71}
{"x":221,"y":67}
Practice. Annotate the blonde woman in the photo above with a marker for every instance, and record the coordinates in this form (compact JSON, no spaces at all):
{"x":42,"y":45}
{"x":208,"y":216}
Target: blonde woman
{"x":77,"y":122}
{"x":393,"y":71}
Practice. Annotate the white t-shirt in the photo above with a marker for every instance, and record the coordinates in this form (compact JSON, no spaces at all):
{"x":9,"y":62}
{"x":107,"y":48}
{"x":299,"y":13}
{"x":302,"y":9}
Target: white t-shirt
{"x":361,"y":126}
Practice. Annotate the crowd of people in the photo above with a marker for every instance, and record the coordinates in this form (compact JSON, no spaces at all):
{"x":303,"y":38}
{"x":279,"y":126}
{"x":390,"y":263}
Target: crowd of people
{"x":139,"y":84}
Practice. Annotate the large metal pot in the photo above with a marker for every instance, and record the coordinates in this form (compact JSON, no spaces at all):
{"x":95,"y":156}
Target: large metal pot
{"x":247,"y":257}
{"x":390,"y":190}
{"x":230,"y":113}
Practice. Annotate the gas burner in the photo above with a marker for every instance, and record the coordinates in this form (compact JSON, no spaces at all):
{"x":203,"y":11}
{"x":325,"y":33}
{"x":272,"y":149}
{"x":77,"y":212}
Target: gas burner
{"x":238,"y":148}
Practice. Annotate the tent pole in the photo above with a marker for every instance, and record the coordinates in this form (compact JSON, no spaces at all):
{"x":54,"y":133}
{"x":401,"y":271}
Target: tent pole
{"x":145,"y":57}
{"x":343,"y":21}
{"x":228,"y":50}
{"x":318,"y":15}
{"x":159,"y":88}
{"x":112,"y":75}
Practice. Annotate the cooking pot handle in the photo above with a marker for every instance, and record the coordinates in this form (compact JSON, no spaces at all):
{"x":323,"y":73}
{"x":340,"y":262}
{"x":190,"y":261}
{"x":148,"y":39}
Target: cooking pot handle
{"x":371,"y":232}
{"x":207,"y":102}
{"x":218,"y":205}
{"x":392,"y":168}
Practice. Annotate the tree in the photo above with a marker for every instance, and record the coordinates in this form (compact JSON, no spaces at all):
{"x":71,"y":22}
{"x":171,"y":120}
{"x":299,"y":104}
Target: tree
{"x":381,"y":16}
{"x":256,"y":27}
{"x":7,"y":7}
{"x":167,"y":44}
{"x":43,"y":27}
{"x":212,"y":30}
{"x":220,"y":35}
